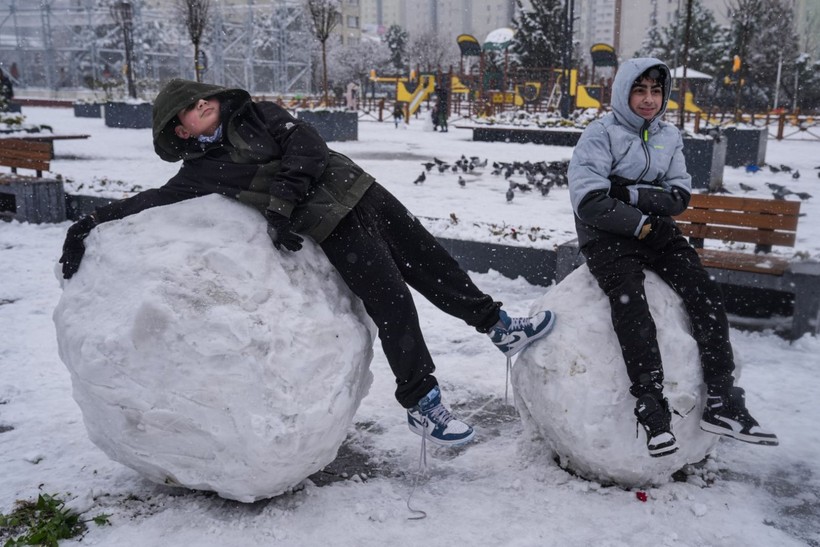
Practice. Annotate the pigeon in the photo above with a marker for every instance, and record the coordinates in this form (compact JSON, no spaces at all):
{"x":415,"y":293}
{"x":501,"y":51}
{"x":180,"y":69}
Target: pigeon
{"x":785,"y":168}
{"x":774,"y":169}
{"x":421,"y":178}
{"x":752,"y":168}
{"x":428,"y":165}
{"x":776,"y":187}
{"x":510,"y":195}
{"x":746,"y":187}
{"x":796,"y":175}
{"x":438,"y":161}
{"x":803,"y":195}
{"x":461,"y":181}
{"x":442,"y":167}
{"x":781,"y":193}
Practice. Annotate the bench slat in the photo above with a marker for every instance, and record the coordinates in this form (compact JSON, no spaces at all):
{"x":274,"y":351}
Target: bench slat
{"x":733,"y":218}
{"x":734,"y":203}
{"x":726,"y":233}
{"x":728,"y":260}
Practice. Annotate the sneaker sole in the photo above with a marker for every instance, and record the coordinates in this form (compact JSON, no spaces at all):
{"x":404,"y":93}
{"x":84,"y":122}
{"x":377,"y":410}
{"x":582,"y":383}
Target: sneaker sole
{"x":540,"y":335}
{"x":663,"y":452}
{"x":718,"y":430}
{"x":440,"y":442}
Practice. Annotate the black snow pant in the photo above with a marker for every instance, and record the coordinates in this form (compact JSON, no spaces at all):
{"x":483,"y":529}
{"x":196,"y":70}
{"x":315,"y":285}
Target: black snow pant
{"x":618,"y":263}
{"x":379,"y":249}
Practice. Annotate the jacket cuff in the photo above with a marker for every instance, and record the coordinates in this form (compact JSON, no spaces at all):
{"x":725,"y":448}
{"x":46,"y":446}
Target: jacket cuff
{"x":633,"y":195}
{"x":282,"y":207}
{"x":644,"y":219}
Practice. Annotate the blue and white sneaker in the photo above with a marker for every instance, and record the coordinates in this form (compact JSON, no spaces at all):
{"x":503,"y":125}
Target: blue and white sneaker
{"x":430,"y":419}
{"x":519,"y":332}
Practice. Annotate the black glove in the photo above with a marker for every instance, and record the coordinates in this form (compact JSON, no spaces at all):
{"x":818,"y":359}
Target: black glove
{"x":661,"y":232}
{"x":620,"y":193}
{"x":280,"y":232}
{"x":73,"y":247}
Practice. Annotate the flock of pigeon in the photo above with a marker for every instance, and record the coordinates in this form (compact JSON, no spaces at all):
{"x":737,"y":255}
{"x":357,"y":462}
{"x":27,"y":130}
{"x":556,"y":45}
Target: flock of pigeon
{"x":540,"y":176}
{"x":779,"y":191}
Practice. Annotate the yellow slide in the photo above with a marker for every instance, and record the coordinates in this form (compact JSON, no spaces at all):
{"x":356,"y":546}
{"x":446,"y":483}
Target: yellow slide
{"x":425,"y":88}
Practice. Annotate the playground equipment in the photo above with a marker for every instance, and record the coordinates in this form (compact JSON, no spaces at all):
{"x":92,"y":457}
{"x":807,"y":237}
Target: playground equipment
{"x":412,"y":96}
{"x":688,"y":103}
{"x":425,"y":87}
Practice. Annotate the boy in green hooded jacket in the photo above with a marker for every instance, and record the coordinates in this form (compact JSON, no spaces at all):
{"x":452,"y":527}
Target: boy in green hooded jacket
{"x":259,"y":154}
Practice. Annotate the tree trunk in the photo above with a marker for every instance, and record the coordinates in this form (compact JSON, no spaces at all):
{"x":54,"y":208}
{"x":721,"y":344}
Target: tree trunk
{"x":196,"y":63}
{"x":324,"y":73}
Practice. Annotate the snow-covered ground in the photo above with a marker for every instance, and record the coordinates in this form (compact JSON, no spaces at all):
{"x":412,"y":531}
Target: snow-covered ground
{"x":501,"y":490}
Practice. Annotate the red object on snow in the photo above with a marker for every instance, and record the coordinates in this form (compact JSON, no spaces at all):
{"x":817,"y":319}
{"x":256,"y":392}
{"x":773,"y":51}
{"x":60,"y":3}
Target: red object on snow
{"x":641,"y":495}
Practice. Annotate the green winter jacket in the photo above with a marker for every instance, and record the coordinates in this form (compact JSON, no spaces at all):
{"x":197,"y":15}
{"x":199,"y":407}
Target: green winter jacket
{"x":266,"y":158}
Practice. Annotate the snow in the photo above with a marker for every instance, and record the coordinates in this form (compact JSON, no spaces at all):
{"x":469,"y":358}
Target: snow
{"x":182,"y":345}
{"x":504,"y":489}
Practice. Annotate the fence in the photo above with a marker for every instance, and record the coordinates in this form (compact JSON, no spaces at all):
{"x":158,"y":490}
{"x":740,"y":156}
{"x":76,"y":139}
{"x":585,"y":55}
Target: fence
{"x":63,"y":44}
{"x":780,"y":125}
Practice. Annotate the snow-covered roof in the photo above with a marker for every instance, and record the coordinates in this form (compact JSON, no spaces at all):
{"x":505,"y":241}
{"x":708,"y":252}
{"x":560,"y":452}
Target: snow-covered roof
{"x":691,"y":74}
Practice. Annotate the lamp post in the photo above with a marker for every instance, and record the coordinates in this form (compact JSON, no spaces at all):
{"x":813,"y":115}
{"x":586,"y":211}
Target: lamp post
{"x":123,"y":14}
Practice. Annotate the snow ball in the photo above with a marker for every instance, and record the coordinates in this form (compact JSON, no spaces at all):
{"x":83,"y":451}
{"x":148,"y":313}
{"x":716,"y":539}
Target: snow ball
{"x":572,"y":389}
{"x":203,"y":357}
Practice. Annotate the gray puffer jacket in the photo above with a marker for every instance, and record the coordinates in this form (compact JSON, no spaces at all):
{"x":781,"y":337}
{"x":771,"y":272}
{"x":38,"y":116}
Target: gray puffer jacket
{"x":622,"y":148}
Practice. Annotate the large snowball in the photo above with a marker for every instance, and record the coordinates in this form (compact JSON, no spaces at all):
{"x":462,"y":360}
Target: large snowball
{"x":572,"y":389}
{"x":201,"y":356}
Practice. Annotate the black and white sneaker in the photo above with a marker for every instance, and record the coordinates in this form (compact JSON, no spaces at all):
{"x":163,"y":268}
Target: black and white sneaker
{"x":653,"y":414}
{"x":727,"y":415}
{"x":431,"y":419}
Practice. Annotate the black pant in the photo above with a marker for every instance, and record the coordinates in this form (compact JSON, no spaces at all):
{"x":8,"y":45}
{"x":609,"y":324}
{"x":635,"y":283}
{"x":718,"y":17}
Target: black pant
{"x":617,"y":263}
{"x":379,"y":249}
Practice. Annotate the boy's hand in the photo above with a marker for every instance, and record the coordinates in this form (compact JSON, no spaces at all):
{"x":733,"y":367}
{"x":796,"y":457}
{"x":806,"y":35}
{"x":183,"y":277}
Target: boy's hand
{"x":280,"y":232}
{"x":620,"y":193}
{"x":73,"y":247}
{"x":661,"y":232}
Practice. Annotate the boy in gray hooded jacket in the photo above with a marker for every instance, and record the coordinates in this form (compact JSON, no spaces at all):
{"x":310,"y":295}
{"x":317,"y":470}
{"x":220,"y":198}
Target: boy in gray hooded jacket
{"x":627,"y":179}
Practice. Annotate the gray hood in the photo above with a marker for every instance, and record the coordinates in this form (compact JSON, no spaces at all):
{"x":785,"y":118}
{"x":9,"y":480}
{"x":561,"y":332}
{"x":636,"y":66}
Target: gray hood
{"x":628,"y":72}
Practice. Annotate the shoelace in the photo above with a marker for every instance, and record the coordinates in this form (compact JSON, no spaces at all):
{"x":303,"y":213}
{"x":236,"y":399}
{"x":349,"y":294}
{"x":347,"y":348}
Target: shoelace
{"x":438,"y":415}
{"x":682,"y":416}
{"x":507,"y":380}
{"x":519,"y":323}
{"x":418,"y":514}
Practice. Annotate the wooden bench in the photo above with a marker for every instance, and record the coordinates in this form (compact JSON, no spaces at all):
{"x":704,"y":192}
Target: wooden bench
{"x":26,"y":154}
{"x":761,"y":223}
{"x":26,"y":198}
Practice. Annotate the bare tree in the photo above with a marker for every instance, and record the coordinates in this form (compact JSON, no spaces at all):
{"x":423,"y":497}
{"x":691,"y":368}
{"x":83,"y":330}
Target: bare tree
{"x":430,"y":51}
{"x":195,"y":15}
{"x":326,"y":15}
{"x":123,"y":14}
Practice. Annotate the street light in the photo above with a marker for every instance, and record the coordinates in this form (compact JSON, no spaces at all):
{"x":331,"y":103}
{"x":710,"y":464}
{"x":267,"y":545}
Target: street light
{"x":123,"y":15}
